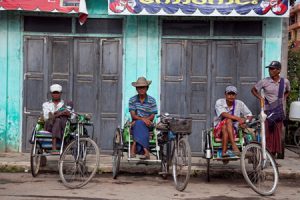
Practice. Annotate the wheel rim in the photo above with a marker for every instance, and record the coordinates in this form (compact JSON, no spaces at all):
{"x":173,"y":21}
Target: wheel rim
{"x":208,"y":170}
{"x":116,"y":153}
{"x":35,"y":159}
{"x":116,"y":163}
{"x":182,"y":164}
{"x":262,"y":176}
{"x":297,"y":137}
{"x":164,"y":161}
{"x":76,"y":170}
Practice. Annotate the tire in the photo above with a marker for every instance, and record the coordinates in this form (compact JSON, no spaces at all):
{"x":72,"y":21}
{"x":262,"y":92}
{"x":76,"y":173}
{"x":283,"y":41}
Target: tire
{"x":261,"y":176}
{"x":181,"y":164}
{"x":35,"y":159}
{"x":76,"y":171}
{"x":164,"y":156}
{"x":117,"y":153}
{"x":208,"y":169}
{"x":297,"y":137}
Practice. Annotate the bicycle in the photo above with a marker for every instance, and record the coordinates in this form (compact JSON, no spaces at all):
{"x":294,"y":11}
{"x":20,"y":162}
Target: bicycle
{"x":78,"y":155}
{"x":257,"y":164}
{"x":167,"y":142}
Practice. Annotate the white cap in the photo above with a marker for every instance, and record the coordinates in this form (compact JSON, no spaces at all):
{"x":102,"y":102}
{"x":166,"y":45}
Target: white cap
{"x":55,"y":88}
{"x":231,"y":88}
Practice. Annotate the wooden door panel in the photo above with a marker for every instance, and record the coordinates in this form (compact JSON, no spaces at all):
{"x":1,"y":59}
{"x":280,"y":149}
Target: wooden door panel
{"x":85,"y":79}
{"x":110,"y":93}
{"x":197,"y":91}
{"x":173,"y":77}
{"x":61,"y":62}
{"x":34,"y":84}
{"x":249,"y":63}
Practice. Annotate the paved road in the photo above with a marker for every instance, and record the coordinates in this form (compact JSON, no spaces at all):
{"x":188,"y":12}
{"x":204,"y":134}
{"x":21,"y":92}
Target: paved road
{"x":16,"y":186}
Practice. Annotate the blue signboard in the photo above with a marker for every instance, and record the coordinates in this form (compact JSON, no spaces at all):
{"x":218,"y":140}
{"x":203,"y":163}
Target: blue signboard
{"x":270,"y":8}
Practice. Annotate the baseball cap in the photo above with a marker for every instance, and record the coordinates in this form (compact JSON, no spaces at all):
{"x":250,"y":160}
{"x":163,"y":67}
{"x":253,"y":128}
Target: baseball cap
{"x":231,"y":88}
{"x":55,"y":88}
{"x":274,"y":64}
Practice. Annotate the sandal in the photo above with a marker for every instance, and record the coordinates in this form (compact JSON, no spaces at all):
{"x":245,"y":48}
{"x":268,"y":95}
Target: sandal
{"x":132,"y":155}
{"x":145,"y":157}
{"x":237,"y":153}
{"x":225,"y":155}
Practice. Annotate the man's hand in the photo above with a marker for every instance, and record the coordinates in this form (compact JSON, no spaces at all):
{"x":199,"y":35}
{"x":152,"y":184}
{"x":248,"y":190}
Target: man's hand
{"x":242,"y":122}
{"x":147,"y":122}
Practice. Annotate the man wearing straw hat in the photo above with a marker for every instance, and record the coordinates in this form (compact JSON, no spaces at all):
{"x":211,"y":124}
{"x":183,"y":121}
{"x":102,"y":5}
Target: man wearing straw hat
{"x":142,"y":108}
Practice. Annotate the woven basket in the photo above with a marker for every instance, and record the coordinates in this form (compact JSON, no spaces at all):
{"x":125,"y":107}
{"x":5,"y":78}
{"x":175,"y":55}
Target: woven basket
{"x":181,"y":125}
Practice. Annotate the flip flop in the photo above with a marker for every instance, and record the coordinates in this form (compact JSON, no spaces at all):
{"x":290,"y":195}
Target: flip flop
{"x":237,"y":153}
{"x":225,"y":155}
{"x":143,"y":157}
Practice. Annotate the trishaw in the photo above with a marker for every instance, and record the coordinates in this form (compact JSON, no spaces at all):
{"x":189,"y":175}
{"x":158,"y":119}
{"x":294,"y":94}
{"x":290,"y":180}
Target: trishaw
{"x":257,"y":165}
{"x":78,"y":155}
{"x":168,"y":145}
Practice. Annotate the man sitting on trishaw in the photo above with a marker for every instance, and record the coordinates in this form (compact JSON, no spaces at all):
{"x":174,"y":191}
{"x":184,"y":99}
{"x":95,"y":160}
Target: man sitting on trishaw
{"x":230,"y":114}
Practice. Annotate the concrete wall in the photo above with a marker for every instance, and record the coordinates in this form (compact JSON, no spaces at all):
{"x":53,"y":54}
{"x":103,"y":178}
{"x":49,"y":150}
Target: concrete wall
{"x":10,"y":81}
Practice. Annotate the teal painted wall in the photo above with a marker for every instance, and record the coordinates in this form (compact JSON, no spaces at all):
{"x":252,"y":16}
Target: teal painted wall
{"x":141,"y":56}
{"x":10,"y":81}
{"x":273,"y":42}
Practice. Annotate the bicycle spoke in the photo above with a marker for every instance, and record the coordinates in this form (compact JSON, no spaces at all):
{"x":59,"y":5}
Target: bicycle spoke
{"x":261,"y":175}
{"x":78,"y":167}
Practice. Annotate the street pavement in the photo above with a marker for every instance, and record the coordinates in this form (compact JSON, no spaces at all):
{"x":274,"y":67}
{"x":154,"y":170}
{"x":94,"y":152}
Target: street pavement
{"x":20,"y":162}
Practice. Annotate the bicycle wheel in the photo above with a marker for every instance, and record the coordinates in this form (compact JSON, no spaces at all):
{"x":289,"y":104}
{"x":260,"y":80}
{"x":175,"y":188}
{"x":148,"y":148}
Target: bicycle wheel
{"x":297,"y":137}
{"x":181,"y":164}
{"x":164,"y":156}
{"x":261,"y":176}
{"x":35,"y":159}
{"x":79,"y":163}
{"x":117,"y":153}
{"x":208,"y":169}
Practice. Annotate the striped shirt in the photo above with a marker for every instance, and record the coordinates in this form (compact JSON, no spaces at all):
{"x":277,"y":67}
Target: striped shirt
{"x":144,"y":109}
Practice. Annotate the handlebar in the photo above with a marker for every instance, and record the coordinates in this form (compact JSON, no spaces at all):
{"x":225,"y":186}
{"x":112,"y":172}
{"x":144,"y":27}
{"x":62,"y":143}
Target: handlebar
{"x":82,"y":118}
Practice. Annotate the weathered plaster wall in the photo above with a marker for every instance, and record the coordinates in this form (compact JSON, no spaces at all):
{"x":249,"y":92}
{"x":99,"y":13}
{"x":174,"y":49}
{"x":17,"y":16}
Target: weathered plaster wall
{"x":273,"y":43}
{"x":10,"y":81}
{"x":141,"y":55}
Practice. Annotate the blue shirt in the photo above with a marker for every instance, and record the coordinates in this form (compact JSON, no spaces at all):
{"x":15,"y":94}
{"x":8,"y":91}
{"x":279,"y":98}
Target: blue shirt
{"x":145,"y":109}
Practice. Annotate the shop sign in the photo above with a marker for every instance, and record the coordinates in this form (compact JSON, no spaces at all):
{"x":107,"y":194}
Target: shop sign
{"x":61,"y":6}
{"x":269,"y":8}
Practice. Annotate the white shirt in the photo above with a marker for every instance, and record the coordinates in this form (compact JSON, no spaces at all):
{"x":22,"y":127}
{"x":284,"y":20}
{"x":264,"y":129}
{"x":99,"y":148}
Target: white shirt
{"x":221,"y":106}
{"x":49,"y":106}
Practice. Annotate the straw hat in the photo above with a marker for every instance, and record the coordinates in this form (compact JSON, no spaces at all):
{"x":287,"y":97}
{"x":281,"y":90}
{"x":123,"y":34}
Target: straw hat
{"x":141,"y":82}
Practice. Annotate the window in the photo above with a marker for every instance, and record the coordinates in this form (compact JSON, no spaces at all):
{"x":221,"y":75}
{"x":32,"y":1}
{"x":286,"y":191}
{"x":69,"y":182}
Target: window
{"x":238,"y":28}
{"x":48,"y":24}
{"x":105,"y":26}
{"x":185,"y":27}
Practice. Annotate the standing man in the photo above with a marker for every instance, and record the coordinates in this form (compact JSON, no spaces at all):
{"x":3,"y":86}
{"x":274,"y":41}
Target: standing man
{"x":55,"y":116}
{"x":142,"y":108}
{"x":230,"y":114}
{"x":276,"y":90}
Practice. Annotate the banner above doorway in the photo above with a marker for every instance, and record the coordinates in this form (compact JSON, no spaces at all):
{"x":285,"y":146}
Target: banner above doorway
{"x":238,"y":8}
{"x":56,"y":6}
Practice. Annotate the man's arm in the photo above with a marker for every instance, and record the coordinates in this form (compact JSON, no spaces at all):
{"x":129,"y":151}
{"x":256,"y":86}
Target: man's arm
{"x":233,"y":117}
{"x":256,"y":93}
{"x":148,"y":120}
